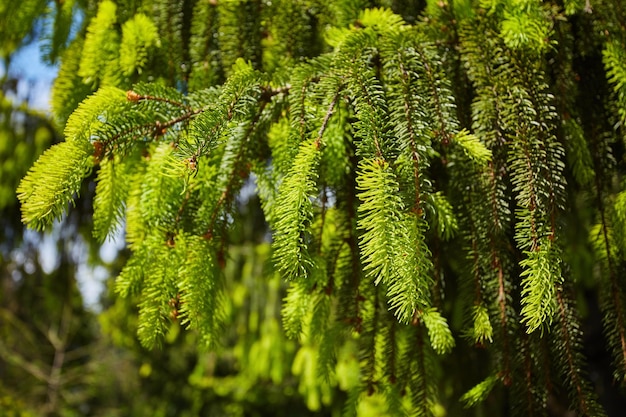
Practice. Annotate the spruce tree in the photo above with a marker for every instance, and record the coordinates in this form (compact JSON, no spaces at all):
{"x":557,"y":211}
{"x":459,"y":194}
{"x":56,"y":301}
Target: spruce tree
{"x":442,"y":182}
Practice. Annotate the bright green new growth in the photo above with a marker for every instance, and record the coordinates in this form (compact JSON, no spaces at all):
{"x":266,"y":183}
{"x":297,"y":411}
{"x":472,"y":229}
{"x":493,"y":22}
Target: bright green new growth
{"x":480,"y":392}
{"x":111,"y":193}
{"x":440,"y":336}
{"x":53,"y":182}
{"x":540,"y":277}
{"x":482,"y":331}
{"x":419,"y":174}
{"x":138,"y":35}
{"x":392,"y":242}
{"x":473,"y":147}
{"x":294,"y":213}
{"x":99,"y":54}
{"x":614,"y":61}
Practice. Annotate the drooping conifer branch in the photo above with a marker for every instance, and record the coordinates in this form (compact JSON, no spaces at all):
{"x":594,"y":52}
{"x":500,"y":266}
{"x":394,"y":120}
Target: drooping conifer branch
{"x":607,"y":247}
{"x":136,"y":97}
{"x":419,"y":385}
{"x":607,"y":250}
{"x":329,"y":113}
{"x":153,"y":129}
{"x":370,"y":349}
{"x":441,"y":104}
{"x":531,"y":398}
{"x":236,"y":173}
{"x":570,"y":352}
{"x":292,"y":222}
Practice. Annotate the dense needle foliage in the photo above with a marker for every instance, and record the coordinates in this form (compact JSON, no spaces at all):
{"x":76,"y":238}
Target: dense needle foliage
{"x":443,"y":182}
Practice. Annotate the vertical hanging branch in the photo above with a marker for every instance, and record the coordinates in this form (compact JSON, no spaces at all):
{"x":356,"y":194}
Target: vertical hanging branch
{"x":206,"y":67}
{"x":409,"y":117}
{"x":370,"y":355}
{"x":371,"y":110}
{"x":387,"y":245}
{"x":292,"y":29}
{"x":529,"y":386}
{"x":386,"y":249}
{"x":240,"y":32}
{"x":294,"y":209}
{"x":99,"y":56}
{"x":535,"y":162}
{"x":160,"y":266}
{"x":567,"y":346}
{"x":489,"y":200}
{"x":409,"y":111}
{"x":393,"y":388}
{"x":608,"y":253}
{"x":170,"y":20}
{"x":111,"y":193}
{"x":421,"y":388}
{"x":200,"y":289}
{"x":239,"y":149}
{"x":443,"y":116}
{"x":350,"y":296}
{"x":605,"y":236}
{"x":537,"y":179}
{"x":614,"y":249}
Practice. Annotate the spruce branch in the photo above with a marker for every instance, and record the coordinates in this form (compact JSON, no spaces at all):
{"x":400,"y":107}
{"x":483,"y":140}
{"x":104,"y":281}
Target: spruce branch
{"x":139,"y":37}
{"x":293,"y":209}
{"x":53,"y":182}
{"x":392,"y":244}
{"x":329,"y":113}
{"x":200,"y":286}
{"x":228,"y":190}
{"x":530,"y":397}
{"x":411,"y":128}
{"x":135,"y":97}
{"x":503,"y":308}
{"x":419,"y":381}
{"x":156,"y":128}
{"x":370,"y":349}
{"x":479,"y":392}
{"x":442,"y":105}
{"x":538,"y":286}
{"x":438,"y":331}
{"x":606,"y":251}
{"x":370,"y":108}
{"x":111,"y":192}
{"x":568,"y":347}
